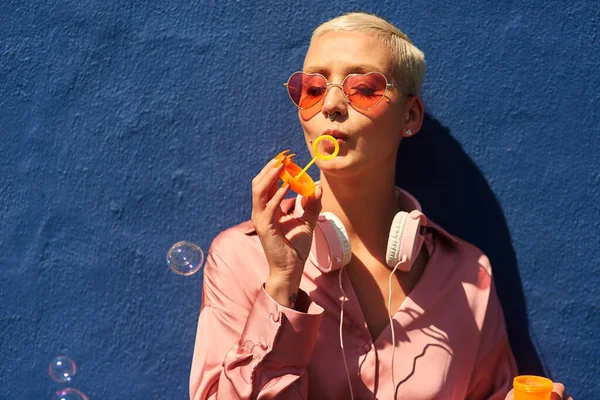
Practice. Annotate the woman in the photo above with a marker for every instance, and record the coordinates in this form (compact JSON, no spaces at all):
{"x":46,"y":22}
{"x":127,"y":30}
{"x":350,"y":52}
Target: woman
{"x":350,"y":293}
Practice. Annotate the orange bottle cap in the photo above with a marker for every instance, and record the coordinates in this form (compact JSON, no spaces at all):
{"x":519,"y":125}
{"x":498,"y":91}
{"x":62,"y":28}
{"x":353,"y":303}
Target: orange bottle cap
{"x":532,"y":383}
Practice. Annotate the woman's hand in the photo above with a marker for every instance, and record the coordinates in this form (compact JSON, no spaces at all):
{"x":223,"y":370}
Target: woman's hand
{"x":558,"y":393}
{"x":285,"y":239}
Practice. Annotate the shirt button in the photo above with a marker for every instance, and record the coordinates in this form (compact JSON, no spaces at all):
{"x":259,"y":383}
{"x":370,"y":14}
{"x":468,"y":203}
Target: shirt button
{"x":247,"y":346}
{"x":275,"y":317}
{"x":367,"y":347}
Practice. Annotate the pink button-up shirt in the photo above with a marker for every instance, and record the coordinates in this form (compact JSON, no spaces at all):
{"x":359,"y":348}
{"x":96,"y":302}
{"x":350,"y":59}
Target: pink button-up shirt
{"x":450,"y":336}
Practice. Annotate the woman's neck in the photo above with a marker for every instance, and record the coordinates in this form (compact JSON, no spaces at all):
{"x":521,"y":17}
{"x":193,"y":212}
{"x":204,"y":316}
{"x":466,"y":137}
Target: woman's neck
{"x":365,"y":204}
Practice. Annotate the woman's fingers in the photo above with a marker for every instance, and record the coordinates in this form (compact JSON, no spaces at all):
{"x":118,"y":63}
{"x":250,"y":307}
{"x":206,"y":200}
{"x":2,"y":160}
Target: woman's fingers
{"x":266,"y":200}
{"x":269,"y":166}
{"x":559,"y":392}
{"x":312,"y":208}
{"x":264,"y":185}
{"x":273,"y":206}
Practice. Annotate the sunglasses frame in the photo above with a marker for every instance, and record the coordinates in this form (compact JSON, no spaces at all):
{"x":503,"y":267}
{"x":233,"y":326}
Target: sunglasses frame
{"x":341,"y":87}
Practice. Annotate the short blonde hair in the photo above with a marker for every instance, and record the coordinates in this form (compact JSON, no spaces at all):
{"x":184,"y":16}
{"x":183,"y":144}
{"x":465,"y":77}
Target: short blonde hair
{"x":410,"y":61}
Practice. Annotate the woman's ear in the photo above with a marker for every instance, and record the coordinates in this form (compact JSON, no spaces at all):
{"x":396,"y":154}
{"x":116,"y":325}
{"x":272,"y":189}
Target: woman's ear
{"x":413,"y":116}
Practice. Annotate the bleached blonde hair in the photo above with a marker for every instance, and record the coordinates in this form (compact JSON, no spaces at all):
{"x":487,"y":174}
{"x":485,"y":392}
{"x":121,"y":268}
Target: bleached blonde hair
{"x":410,"y":61}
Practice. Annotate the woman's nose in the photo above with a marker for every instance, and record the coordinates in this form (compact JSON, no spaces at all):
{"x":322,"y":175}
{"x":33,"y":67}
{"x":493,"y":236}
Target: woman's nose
{"x":335,"y":101}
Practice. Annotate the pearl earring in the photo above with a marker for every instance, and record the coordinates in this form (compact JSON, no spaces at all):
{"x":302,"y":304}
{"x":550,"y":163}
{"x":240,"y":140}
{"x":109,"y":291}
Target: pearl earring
{"x":408,"y":132}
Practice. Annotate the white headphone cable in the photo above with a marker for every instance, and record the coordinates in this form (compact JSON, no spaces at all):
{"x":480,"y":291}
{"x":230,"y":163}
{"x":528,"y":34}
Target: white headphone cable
{"x":341,"y":328}
{"x":392,"y":322}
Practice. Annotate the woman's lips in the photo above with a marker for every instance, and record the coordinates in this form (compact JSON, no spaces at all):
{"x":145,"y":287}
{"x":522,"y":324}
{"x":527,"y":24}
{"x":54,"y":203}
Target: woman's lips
{"x":336,"y":134}
{"x":327,"y":146}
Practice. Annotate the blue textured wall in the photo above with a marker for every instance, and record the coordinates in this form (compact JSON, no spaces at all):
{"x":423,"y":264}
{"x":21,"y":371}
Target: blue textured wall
{"x":129,"y":125}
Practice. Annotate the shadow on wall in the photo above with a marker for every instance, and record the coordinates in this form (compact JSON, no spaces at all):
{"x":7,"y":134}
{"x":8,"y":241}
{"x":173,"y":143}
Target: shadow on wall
{"x":454,"y":193}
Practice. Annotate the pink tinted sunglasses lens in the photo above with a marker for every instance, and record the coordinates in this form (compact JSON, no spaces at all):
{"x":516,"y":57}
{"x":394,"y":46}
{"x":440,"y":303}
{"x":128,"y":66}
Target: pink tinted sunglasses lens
{"x":306,"y":90}
{"x":365,"y":91}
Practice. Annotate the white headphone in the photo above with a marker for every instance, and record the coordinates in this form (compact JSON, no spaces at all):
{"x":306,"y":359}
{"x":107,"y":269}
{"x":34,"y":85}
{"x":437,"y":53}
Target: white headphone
{"x":331,"y":248}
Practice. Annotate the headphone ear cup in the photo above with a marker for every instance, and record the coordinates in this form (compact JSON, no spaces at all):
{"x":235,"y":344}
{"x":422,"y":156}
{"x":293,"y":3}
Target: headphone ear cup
{"x":395,"y":239}
{"x":405,"y":240}
{"x":342,"y":236}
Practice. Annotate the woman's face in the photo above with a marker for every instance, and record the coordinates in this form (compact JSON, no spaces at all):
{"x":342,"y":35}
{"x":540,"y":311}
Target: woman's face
{"x":370,"y":138}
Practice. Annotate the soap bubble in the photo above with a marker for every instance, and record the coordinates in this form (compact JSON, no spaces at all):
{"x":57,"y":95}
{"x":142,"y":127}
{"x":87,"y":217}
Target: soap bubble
{"x":62,"y":369}
{"x":69,"y":394}
{"x":185,"y":258}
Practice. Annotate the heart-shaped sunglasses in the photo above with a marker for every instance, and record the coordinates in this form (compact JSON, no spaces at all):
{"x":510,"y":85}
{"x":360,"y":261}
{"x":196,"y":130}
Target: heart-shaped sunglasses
{"x":363,"y":91}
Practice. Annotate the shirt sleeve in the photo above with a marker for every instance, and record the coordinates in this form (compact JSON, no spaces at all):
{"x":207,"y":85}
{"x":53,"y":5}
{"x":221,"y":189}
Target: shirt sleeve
{"x":495,"y":366}
{"x":248,"y":346}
